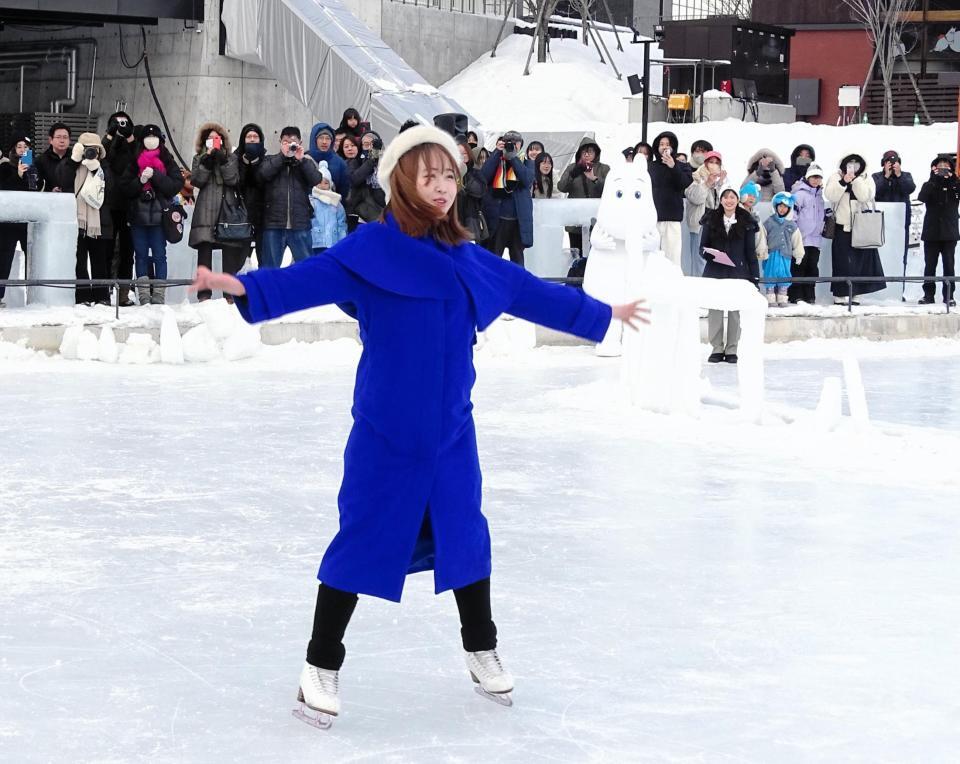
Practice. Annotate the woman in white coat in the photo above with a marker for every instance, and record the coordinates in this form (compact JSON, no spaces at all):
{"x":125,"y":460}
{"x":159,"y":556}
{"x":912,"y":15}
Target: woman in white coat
{"x":848,"y":188}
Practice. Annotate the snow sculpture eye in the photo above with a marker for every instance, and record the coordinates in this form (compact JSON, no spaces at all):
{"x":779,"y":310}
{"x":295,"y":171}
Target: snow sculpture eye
{"x":619,"y":194}
{"x":636,"y":194}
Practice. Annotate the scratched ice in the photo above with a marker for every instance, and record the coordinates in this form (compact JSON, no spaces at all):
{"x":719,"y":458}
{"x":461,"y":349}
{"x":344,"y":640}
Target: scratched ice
{"x":665,"y":590}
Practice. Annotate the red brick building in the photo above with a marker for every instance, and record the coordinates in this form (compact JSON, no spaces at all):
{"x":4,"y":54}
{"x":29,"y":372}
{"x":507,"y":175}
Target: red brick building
{"x":828,"y":46}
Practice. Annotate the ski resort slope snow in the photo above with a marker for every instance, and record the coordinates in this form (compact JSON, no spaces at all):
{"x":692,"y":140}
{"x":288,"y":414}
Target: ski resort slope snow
{"x":665,"y":589}
{"x":576,"y":92}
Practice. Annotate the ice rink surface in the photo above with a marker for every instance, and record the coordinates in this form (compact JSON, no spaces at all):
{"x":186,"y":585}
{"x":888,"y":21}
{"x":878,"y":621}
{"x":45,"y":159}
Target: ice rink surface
{"x":665,"y":590}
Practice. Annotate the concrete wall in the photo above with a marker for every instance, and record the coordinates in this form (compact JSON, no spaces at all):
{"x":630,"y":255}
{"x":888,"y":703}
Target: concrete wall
{"x":195,"y":84}
{"x":437,"y":44}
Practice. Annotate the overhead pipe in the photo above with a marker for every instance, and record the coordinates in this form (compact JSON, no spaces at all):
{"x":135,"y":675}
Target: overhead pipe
{"x":63,"y":50}
{"x":71,"y":100}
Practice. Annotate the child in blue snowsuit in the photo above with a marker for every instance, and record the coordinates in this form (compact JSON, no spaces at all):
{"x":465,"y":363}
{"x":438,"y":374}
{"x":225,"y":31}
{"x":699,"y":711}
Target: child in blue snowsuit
{"x":329,"y":222}
{"x":410,"y":497}
{"x":784,"y":244}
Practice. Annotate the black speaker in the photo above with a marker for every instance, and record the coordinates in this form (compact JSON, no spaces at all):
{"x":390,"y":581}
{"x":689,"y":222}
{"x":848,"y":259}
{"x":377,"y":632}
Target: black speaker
{"x":635,"y":81}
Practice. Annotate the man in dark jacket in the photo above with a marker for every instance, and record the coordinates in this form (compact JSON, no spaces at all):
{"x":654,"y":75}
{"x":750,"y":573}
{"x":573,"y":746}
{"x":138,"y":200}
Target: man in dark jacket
{"x":800,"y":159}
{"x":894,"y":185}
{"x":287,"y":178}
{"x":47,"y":162}
{"x":941,"y":226}
{"x":510,"y":206}
{"x":583,"y":179}
{"x":669,"y":179}
{"x":121,"y":153}
{"x":250,"y":153}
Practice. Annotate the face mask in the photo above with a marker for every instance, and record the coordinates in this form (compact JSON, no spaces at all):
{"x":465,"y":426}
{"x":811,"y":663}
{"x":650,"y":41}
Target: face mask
{"x":209,"y":143}
{"x":803,"y":161}
{"x":151,"y":142}
{"x":697,"y":160}
{"x":253,"y":149}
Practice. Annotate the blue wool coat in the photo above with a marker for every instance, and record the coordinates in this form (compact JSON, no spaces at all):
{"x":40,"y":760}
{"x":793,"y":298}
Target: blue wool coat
{"x":412,"y":451}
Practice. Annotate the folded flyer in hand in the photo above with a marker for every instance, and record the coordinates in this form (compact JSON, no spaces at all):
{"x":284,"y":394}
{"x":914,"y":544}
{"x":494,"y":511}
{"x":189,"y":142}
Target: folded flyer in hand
{"x":720,"y":257}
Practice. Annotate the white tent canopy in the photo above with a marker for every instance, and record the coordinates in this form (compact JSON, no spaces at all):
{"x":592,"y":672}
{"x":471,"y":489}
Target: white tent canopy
{"x":330,"y":60}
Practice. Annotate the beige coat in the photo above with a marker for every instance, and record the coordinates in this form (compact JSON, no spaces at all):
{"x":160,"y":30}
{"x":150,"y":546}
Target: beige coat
{"x":700,"y":197}
{"x":836,"y":193}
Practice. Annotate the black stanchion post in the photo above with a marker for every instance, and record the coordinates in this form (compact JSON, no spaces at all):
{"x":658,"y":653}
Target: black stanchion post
{"x":849,"y":296}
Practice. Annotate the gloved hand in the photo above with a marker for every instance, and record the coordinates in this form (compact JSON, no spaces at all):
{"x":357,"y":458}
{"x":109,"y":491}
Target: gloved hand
{"x":577,"y":171}
{"x":219,"y":156}
{"x":146,"y":174}
{"x":209,"y":161}
{"x":77,"y":153}
{"x":91,"y":164}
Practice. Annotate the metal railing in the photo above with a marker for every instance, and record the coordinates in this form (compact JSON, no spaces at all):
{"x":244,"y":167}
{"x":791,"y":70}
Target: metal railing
{"x":114,"y":284}
{"x":476,"y":7}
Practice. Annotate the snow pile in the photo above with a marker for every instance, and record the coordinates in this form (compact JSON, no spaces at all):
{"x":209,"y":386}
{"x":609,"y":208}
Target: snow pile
{"x":577,"y":92}
{"x":222,"y":334}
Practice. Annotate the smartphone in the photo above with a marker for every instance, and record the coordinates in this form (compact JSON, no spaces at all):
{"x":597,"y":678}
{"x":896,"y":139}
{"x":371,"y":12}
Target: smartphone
{"x":27,"y":158}
{"x":217,"y":141}
{"x":851,"y":168}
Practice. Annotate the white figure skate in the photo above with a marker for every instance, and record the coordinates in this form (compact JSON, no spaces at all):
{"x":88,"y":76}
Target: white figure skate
{"x":319,"y":697}
{"x":491,"y":679}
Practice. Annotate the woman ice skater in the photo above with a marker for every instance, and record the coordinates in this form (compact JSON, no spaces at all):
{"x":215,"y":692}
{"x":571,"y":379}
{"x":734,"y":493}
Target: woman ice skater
{"x":410,"y":497}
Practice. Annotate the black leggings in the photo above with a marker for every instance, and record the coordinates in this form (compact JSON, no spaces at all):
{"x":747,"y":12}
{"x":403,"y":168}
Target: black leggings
{"x":335,"y":607}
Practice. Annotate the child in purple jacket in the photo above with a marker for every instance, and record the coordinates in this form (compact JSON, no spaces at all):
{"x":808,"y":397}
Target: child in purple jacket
{"x":809,"y":215}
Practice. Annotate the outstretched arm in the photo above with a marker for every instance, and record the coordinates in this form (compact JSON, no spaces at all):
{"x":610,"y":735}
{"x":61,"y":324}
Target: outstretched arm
{"x":271,"y":293}
{"x":559,"y":307}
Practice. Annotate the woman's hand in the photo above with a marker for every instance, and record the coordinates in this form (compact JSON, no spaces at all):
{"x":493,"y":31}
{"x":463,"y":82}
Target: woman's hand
{"x":632,"y":313}
{"x":208,"y":281}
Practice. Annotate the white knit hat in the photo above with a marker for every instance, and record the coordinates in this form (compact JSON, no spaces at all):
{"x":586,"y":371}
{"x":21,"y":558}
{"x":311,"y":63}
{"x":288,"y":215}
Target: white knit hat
{"x":814,"y":171}
{"x":411,"y":138}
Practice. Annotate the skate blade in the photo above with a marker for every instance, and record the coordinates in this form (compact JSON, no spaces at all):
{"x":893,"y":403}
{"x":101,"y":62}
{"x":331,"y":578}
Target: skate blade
{"x":500,"y":698}
{"x":318,"y":719}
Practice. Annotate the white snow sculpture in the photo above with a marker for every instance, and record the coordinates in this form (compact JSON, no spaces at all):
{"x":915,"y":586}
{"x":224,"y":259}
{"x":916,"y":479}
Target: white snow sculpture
{"x":108,"y":351}
{"x":199,"y":346}
{"x":53,"y":239}
{"x":88,"y":346}
{"x":140,"y":348}
{"x":68,"y":345}
{"x":171,"y":345}
{"x":661,"y":365}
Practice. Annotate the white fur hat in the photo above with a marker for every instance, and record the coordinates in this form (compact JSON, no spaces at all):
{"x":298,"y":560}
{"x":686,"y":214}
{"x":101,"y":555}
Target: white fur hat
{"x":408,"y":139}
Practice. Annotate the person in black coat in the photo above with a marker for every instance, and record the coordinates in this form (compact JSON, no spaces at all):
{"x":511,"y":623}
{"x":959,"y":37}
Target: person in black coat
{"x":730,"y":229}
{"x":941,"y":226}
{"x":895,"y":185}
{"x":250,"y":152}
{"x":472,"y":189}
{"x":800,"y":160}
{"x":150,"y":184}
{"x":367,"y":199}
{"x":120,"y":145}
{"x":47,"y":162}
{"x":14,"y":176}
{"x":669,"y":179}
{"x":288,"y":178}
{"x":509,"y":208}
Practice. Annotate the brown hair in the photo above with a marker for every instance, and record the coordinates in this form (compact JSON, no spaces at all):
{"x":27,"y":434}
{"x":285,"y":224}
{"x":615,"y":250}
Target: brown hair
{"x":415,"y":216}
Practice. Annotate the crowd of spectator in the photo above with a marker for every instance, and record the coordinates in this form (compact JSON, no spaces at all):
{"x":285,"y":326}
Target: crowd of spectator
{"x":307,"y":195}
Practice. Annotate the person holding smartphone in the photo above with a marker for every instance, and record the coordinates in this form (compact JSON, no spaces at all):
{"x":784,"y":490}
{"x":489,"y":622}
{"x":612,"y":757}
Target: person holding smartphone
{"x":584,"y":178}
{"x":846,"y":189}
{"x":17,"y":173}
{"x":670,"y":179}
{"x":941,"y":226}
{"x":895,"y":185}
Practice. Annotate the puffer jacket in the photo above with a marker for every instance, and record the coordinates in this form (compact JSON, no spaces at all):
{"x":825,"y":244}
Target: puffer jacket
{"x":214,"y":174}
{"x":770,"y":181}
{"x":669,"y":183}
{"x":10,"y":179}
{"x":366,"y":201}
{"x":470,"y":204}
{"x":700,"y":197}
{"x":46,"y":164}
{"x":841,"y":195}
{"x":121,"y":153}
{"x":146,"y":209}
{"x":287,"y":184}
{"x":574,"y":182}
{"x":248,"y":182}
{"x":808,"y":202}
{"x":329,"y":222}
{"x":797,"y":172}
{"x":894,"y":189}
{"x":739,"y":245}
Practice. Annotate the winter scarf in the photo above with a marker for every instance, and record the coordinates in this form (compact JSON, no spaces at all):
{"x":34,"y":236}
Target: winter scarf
{"x":150,"y":158}
{"x":327,"y":197}
{"x":88,"y":218}
{"x":779,"y":234}
{"x":505,"y":179}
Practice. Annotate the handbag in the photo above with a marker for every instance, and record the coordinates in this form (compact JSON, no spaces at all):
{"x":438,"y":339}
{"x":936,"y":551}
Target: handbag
{"x":866,"y":231}
{"x":171,"y":221}
{"x":233,"y":223}
{"x":829,"y":225}
{"x":92,"y":190}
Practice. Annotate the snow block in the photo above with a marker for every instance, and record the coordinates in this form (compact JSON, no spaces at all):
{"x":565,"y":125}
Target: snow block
{"x":199,"y":346}
{"x":68,"y":345}
{"x":107,"y":349}
{"x":171,"y":345}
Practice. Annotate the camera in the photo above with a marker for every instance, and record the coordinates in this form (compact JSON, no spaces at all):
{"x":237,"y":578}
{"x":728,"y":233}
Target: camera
{"x":944,"y":172}
{"x":509,"y":146}
{"x":293,"y":148}
{"x":90,"y":153}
